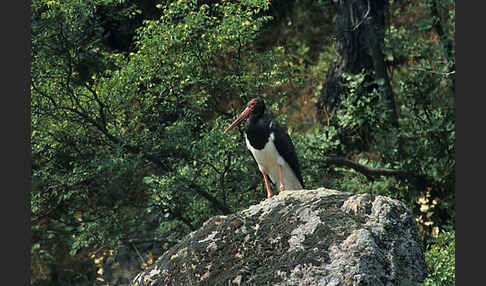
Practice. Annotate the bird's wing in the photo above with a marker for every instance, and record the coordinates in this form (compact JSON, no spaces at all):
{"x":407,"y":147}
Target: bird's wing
{"x":286,"y":149}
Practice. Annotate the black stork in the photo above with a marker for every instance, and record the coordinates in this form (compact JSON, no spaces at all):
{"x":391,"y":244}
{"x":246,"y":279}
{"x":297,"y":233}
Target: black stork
{"x":271,"y":147}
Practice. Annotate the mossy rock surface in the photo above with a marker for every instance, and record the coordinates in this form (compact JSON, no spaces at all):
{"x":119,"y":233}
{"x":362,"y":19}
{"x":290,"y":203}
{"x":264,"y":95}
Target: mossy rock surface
{"x":305,"y":237}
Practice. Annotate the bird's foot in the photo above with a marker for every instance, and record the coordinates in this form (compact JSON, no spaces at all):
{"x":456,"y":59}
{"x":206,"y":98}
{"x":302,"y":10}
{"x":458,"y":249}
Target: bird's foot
{"x":269,"y":194}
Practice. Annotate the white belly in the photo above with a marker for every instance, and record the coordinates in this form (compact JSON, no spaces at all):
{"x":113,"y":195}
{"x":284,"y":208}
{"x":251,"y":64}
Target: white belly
{"x":268,"y":161}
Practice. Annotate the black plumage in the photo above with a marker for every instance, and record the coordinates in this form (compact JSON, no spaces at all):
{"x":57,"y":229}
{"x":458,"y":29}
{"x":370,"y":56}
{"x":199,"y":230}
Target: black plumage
{"x":278,"y":158}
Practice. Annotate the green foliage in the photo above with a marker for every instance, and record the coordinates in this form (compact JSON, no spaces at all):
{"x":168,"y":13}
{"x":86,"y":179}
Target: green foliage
{"x":440,"y":258}
{"x":425,"y":90}
{"x":137,"y":139}
{"x":127,"y":140}
{"x":422,"y":78}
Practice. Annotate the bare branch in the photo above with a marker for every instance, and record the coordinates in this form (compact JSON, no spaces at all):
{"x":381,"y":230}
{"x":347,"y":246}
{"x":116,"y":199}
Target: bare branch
{"x":446,"y":74}
{"x":98,"y":100}
{"x":150,"y":240}
{"x":216,"y":203}
{"x":363,"y":18}
{"x":417,"y":179}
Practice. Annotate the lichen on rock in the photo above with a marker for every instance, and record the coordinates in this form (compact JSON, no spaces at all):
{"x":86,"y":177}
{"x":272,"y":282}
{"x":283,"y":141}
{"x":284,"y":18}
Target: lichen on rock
{"x":304,"y":237}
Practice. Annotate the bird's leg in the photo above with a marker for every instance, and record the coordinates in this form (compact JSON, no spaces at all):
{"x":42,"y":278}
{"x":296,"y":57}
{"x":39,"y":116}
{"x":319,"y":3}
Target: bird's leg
{"x":281,"y":178}
{"x":267,"y":184}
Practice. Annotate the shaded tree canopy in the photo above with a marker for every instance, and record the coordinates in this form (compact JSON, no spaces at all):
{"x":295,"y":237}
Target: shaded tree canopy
{"x":130,"y":99}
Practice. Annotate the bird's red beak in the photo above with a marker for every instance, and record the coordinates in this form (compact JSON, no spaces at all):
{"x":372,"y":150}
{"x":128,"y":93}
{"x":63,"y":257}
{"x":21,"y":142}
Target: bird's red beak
{"x":240,"y":118}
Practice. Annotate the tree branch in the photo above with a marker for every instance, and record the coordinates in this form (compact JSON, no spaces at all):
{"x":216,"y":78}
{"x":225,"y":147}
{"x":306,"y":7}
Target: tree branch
{"x":446,"y":74}
{"x":221,"y":177}
{"x":362,"y":19}
{"x":101,"y":106}
{"x":447,"y":44}
{"x":369,"y":172}
{"x":216,"y":203}
{"x":153,"y":240}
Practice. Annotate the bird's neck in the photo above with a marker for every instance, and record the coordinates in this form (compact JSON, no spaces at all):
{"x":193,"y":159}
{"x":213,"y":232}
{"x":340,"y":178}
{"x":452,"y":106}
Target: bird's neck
{"x":253,"y":118}
{"x":258,"y":131}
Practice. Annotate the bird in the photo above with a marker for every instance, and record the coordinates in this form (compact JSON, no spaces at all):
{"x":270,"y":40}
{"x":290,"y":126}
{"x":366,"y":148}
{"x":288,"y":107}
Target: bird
{"x":271,"y":147}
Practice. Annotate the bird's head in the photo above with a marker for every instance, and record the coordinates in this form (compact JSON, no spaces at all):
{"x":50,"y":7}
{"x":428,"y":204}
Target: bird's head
{"x":254,"y":107}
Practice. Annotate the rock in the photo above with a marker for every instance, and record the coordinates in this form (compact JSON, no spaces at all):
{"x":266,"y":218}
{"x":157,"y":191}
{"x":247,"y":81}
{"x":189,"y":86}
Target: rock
{"x":117,"y":267}
{"x":305,"y":237}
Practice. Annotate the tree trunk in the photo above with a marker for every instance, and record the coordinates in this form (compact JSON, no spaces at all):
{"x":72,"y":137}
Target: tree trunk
{"x":360,"y":26}
{"x":446,"y":42}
